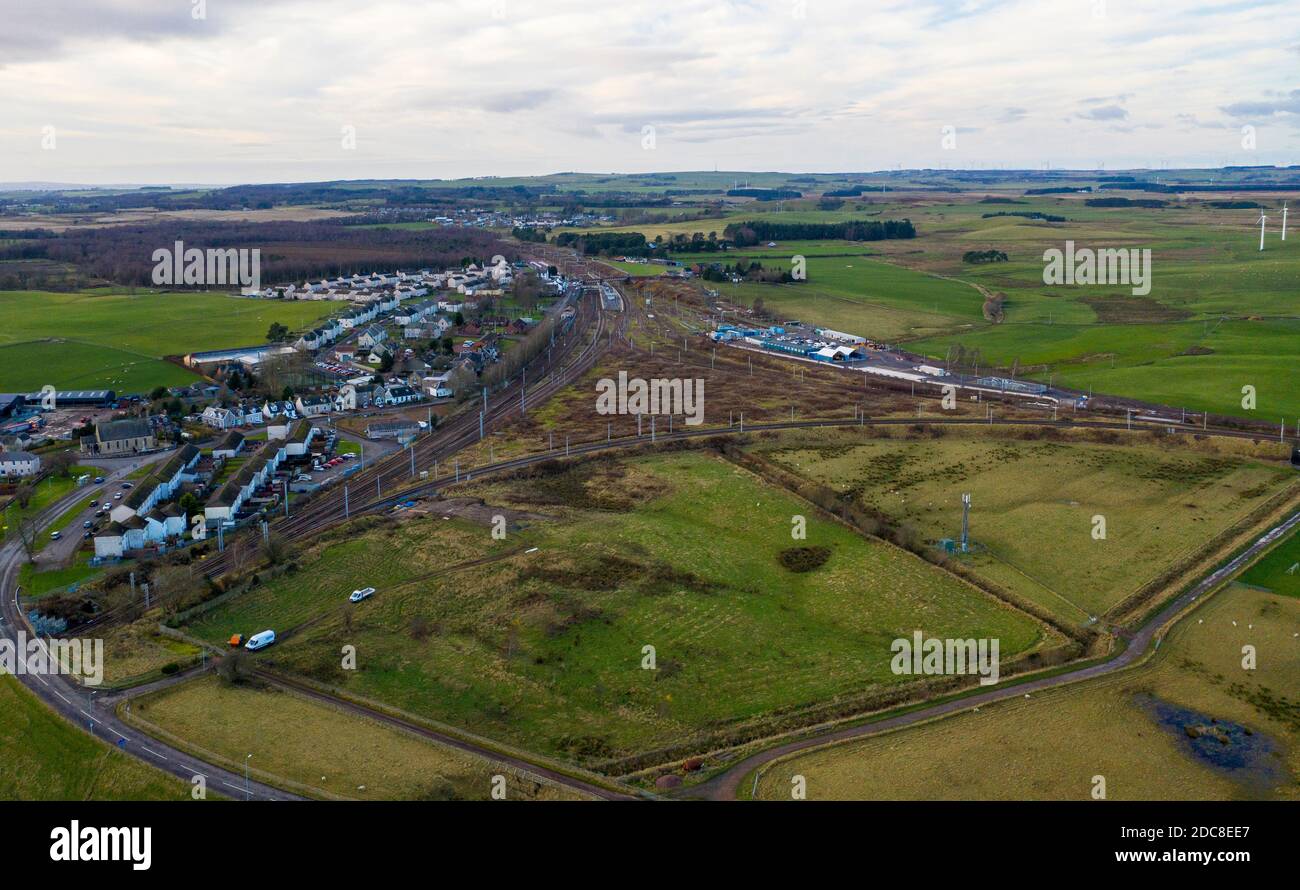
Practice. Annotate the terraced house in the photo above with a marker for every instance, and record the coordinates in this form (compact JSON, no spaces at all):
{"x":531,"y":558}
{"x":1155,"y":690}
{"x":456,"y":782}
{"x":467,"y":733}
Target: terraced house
{"x":239,"y":495}
{"x":146,"y":518}
{"x":160,"y":485}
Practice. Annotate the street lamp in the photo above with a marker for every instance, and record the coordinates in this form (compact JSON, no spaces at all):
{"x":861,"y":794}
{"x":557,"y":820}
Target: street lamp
{"x":247,"y":795}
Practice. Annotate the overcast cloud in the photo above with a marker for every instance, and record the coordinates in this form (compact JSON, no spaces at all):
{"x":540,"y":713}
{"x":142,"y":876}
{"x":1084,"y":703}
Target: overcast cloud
{"x":268,"y":90}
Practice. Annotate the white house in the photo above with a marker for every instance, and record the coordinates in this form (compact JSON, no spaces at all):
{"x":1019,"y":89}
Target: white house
{"x":313,"y":406}
{"x":221,"y":418}
{"x":372,"y":336}
{"x":19,"y":463}
{"x":230,"y":445}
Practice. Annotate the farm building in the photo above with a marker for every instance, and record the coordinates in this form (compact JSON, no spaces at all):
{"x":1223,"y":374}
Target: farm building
{"x":89,"y":398}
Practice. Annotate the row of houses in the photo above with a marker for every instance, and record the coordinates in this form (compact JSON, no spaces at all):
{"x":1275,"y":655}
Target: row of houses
{"x":239,"y":493}
{"x":351,"y":397}
{"x":149,"y":516}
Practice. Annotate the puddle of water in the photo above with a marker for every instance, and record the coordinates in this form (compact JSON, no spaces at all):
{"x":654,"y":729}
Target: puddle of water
{"x":1249,"y":758}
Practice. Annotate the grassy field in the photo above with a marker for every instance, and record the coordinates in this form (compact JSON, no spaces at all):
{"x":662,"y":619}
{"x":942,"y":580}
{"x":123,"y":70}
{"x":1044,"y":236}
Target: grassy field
{"x":545,"y":648}
{"x":1279,"y":570}
{"x":1050,"y":746}
{"x":48,"y":490}
{"x":115,"y":340}
{"x":316,"y":749}
{"x":1033,"y":503}
{"x":48,"y":759}
{"x":136,"y":653}
{"x":38,"y":583}
{"x":867,"y":297}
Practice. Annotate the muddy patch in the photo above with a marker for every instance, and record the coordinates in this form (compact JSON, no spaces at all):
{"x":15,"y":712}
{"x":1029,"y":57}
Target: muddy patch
{"x":1128,"y":309}
{"x":476,"y":511}
{"x":1252,"y":760}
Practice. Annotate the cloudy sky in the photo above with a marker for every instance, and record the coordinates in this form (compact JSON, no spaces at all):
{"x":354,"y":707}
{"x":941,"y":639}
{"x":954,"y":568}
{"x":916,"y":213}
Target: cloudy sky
{"x":228,"y":91}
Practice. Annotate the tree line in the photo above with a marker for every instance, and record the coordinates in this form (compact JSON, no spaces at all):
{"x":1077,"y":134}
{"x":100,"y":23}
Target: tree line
{"x":746,"y":234}
{"x":289,"y":251}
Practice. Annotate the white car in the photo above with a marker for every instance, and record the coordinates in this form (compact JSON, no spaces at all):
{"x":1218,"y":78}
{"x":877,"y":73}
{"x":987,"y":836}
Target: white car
{"x":359,"y":595}
{"x":302,"y":477}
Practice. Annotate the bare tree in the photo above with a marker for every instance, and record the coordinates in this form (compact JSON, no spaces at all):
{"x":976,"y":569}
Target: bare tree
{"x":27,"y":533}
{"x":60,"y":462}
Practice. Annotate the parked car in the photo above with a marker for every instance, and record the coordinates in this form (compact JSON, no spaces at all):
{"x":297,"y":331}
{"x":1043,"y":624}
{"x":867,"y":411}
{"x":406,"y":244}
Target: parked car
{"x":128,"y":484}
{"x":99,"y":480}
{"x":302,"y":477}
{"x":260,"y":640}
{"x":88,"y":535}
{"x":87,"y":524}
{"x":363,"y":593}
{"x":118,"y":496}
{"x":54,"y":536}
{"x":94,"y":503}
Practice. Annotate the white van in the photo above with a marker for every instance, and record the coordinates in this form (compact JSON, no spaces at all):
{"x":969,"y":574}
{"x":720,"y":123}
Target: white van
{"x":260,"y":641}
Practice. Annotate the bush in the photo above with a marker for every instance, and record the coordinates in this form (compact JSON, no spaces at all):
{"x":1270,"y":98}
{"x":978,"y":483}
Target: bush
{"x":804,"y":559}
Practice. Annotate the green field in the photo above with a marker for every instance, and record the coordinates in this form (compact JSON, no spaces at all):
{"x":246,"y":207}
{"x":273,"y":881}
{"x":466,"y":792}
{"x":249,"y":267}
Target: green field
{"x":35,"y":584}
{"x":116,"y":340}
{"x":866,"y":297}
{"x":1279,"y":570}
{"x":48,"y":490}
{"x":1034,"y":503}
{"x":49,"y":759}
{"x":321,"y":751}
{"x":545,"y":649}
{"x":1051,"y":745}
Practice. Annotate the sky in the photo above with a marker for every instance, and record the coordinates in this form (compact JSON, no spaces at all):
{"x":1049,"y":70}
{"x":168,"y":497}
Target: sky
{"x":238,"y":91}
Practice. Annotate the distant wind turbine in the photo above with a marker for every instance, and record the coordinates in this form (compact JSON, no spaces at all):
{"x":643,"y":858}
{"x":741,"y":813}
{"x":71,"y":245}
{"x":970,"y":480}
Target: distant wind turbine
{"x":1263,"y":220}
{"x":1284,"y":220}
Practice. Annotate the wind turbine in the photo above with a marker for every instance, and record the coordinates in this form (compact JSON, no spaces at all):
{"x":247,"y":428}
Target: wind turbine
{"x":1262,"y":221}
{"x":1284,"y":220}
